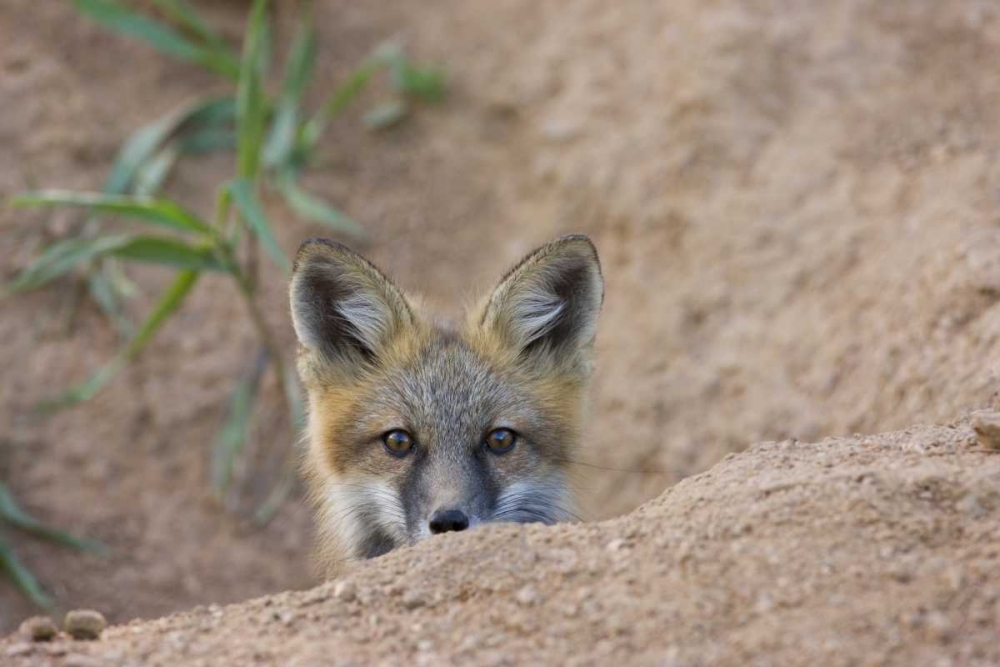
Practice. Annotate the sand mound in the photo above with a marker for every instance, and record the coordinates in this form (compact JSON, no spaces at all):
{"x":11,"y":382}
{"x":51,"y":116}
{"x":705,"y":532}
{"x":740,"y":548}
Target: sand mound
{"x":797,"y":210}
{"x":875,"y":550}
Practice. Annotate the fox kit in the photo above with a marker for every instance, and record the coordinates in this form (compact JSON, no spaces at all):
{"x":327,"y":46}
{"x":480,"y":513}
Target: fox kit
{"x":416,"y":427}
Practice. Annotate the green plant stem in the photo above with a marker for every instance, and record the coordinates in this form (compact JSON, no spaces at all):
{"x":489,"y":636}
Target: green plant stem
{"x":264,"y":332}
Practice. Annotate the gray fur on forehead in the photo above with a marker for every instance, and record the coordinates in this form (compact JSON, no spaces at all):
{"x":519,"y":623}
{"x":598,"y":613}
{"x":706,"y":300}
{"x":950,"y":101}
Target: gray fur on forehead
{"x":450,"y":392}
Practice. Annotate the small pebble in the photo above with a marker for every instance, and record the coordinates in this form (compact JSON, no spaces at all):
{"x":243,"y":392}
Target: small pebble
{"x":938,"y":627}
{"x":413,"y":600}
{"x":80,"y":660}
{"x":20,"y":648}
{"x":616,"y":545}
{"x":56,"y":650}
{"x":85,"y":624}
{"x":39,"y":628}
{"x":987,"y":428}
{"x":527,"y":596}
{"x":345,"y":591}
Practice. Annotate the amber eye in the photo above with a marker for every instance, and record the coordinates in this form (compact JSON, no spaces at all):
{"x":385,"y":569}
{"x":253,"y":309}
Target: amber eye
{"x":501,"y":440}
{"x":397,"y":442}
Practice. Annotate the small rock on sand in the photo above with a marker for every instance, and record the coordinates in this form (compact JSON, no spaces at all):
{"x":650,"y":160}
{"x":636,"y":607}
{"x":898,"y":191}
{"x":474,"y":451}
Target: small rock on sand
{"x":85,"y":624}
{"x":413,"y":600}
{"x":987,"y":428}
{"x":527,"y":596}
{"x":345,"y":591}
{"x":20,"y":648}
{"x":39,"y":628}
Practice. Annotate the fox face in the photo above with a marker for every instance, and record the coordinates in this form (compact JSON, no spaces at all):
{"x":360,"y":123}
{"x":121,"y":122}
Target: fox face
{"x":418,"y":427}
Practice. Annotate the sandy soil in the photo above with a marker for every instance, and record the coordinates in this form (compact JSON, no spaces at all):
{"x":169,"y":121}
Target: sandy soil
{"x":797,"y":206}
{"x":874,"y":551}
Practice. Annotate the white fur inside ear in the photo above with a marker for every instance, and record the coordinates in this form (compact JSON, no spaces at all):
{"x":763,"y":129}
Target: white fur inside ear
{"x":368,"y":318}
{"x":536,"y":313}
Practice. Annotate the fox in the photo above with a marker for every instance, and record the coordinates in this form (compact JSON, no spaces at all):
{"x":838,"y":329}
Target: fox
{"x":419,"y":426}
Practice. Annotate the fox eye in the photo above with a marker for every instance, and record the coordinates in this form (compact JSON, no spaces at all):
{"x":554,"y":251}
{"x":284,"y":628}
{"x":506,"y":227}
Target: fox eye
{"x":398,"y":442}
{"x":501,"y":440}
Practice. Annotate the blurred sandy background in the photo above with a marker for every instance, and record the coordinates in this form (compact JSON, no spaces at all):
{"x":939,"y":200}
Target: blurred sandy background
{"x":797,"y":205}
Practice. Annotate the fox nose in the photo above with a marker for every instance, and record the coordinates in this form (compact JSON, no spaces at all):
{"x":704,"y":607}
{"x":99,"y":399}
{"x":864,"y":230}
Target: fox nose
{"x":445,"y":521}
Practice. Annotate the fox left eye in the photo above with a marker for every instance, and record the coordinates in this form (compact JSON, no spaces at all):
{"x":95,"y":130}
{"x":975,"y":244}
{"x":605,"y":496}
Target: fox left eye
{"x":398,"y":442}
{"x":501,"y":440}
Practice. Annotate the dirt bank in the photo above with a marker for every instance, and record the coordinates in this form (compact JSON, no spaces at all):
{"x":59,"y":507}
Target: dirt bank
{"x":796,"y":204}
{"x":880,"y":550}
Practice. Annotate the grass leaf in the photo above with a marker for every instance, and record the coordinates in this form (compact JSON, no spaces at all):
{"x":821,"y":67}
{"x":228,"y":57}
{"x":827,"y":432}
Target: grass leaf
{"x":185,"y":15}
{"x":158,"y":35}
{"x":315,"y":209}
{"x":168,"y":251}
{"x":252,"y":213}
{"x":286,"y":480}
{"x":425,"y":83}
{"x":232,"y":437}
{"x":385,"y":115}
{"x":338,"y":101}
{"x":145,"y":142}
{"x":11,"y":512}
{"x":109,"y":298}
{"x":298,"y":71}
{"x":147,"y":209}
{"x":59,"y":259}
{"x":251,"y":103}
{"x":22,"y":577}
{"x":207,"y":140}
{"x":169,"y":302}
{"x":151,"y":176}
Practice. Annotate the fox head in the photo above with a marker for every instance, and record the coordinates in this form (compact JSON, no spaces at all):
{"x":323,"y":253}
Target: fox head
{"x":418,"y":427}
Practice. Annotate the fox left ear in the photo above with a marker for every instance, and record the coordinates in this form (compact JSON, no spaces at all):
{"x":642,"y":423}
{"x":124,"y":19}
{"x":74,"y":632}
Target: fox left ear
{"x":343,"y":308}
{"x":548,"y":304}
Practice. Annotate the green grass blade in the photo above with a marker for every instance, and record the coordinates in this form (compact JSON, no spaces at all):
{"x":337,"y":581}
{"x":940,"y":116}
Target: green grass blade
{"x":425,"y":83}
{"x":207,"y":140}
{"x":170,"y":252}
{"x":185,"y":15}
{"x":147,"y":209}
{"x":145,"y":142}
{"x":339,"y":100}
{"x":138,"y":148}
{"x":286,"y":480}
{"x":276,"y":498}
{"x":59,"y":259}
{"x":347,"y":92}
{"x":124,"y":20}
{"x":168,"y":304}
{"x":11,"y":512}
{"x":298,"y":71}
{"x":315,"y":209}
{"x":385,"y":115}
{"x":108,"y":298}
{"x":152,"y":175}
{"x":252,"y":213}
{"x":21,"y":577}
{"x":158,"y":35}
{"x":251,"y":103}
{"x":232,"y":437}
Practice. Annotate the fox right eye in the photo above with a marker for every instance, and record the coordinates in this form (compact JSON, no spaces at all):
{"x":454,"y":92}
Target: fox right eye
{"x":397,"y":442}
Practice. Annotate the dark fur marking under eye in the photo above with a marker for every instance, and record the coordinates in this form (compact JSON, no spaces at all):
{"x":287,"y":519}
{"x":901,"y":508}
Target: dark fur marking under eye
{"x":377,"y":543}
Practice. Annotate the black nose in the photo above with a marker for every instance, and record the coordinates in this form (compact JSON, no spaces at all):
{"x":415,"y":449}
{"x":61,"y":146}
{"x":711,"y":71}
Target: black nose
{"x":445,"y":521}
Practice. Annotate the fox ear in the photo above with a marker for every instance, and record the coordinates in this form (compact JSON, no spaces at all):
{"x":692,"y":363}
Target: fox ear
{"x":342,"y":306}
{"x":549,"y":303}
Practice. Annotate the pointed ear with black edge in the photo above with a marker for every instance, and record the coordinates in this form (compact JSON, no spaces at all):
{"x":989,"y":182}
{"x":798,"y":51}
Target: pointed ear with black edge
{"x":343,"y":308}
{"x":546,"y":307}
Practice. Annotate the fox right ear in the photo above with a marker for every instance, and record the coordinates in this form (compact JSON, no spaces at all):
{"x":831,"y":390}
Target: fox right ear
{"x":342,"y":306}
{"x":546,"y":307}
